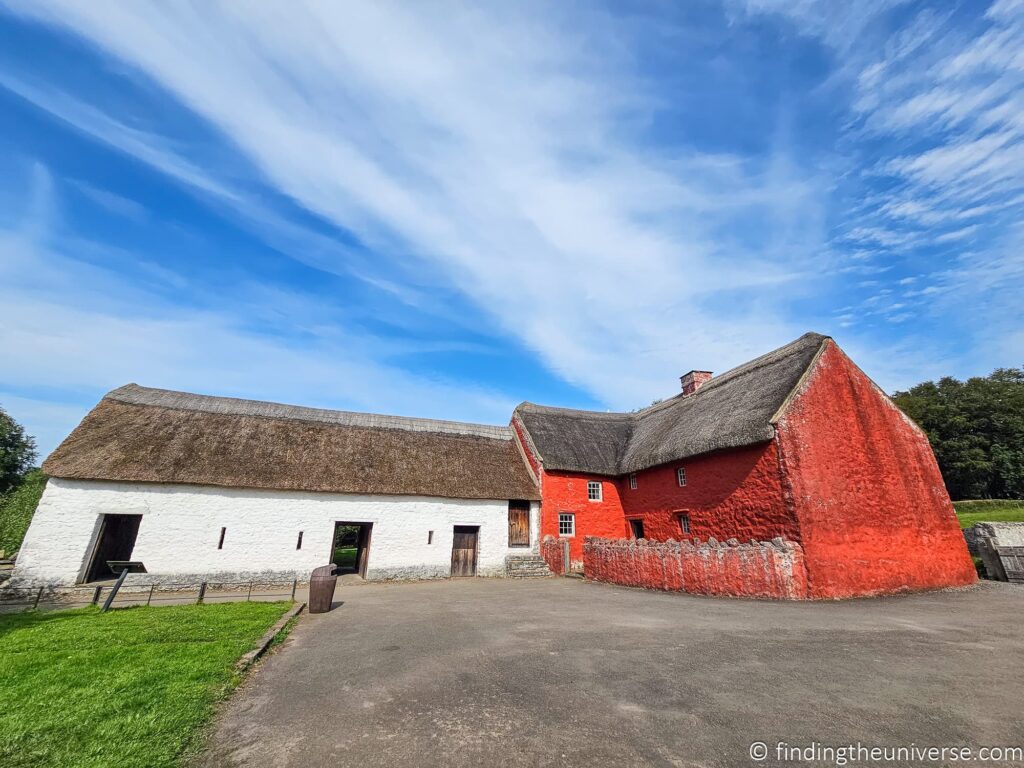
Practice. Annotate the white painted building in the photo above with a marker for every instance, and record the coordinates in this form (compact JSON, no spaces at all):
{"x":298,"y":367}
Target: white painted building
{"x":210,"y":488}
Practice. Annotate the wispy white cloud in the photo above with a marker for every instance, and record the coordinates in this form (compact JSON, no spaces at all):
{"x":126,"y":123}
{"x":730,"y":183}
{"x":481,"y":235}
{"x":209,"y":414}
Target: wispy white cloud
{"x":70,"y":327}
{"x":501,"y":153}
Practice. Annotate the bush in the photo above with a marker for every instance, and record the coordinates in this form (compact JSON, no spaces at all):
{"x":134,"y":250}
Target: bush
{"x":17,"y":508}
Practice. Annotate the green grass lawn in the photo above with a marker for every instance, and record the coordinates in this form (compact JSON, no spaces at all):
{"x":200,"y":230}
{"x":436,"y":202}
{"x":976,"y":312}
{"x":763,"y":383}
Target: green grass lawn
{"x":989,"y":511}
{"x":132,"y":687}
{"x":345,"y":557}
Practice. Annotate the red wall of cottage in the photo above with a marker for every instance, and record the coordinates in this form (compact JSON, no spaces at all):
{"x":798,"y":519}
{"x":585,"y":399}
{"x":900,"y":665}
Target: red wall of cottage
{"x":567,"y":492}
{"x":873,"y":512}
{"x":732,"y":494}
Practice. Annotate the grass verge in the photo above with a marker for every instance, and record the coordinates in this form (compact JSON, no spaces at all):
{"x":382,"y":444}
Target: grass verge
{"x":130,"y":687}
{"x":17,"y":508}
{"x":989,"y":511}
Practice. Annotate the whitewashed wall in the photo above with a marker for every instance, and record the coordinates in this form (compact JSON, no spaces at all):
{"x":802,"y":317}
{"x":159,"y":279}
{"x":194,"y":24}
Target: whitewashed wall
{"x":181,"y":526}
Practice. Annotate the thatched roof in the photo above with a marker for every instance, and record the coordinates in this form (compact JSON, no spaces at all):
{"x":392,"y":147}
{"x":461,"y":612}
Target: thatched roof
{"x":729,"y":411}
{"x":151,"y":435}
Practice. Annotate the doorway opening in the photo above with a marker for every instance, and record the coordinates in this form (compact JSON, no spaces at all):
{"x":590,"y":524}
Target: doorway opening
{"x":115,"y":541}
{"x":464,"y":545}
{"x":350,"y":549}
{"x":636,"y":527}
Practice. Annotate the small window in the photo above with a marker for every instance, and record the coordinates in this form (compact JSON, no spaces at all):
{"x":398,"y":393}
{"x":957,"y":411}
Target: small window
{"x":220,"y":544}
{"x":566,"y":524}
{"x":298,"y":544}
{"x":632,"y":481}
{"x":681,"y":476}
{"x":594,"y":491}
{"x":636,"y":528}
{"x":684,"y":523}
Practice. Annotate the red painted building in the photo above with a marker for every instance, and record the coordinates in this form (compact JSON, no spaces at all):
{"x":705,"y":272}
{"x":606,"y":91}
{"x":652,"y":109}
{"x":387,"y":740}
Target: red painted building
{"x":798,"y":444}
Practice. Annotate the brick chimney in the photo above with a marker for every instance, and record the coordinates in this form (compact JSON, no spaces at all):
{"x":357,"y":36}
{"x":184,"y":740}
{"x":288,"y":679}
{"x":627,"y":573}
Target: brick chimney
{"x":694,"y":380}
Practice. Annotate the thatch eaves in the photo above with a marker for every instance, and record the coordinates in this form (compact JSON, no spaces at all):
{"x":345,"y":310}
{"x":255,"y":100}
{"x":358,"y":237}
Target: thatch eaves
{"x":137,"y":434}
{"x":729,"y":411}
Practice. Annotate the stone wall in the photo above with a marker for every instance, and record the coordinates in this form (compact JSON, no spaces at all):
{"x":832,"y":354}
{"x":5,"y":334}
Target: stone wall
{"x":759,"y":569}
{"x":1001,"y":548}
{"x":553,"y":552}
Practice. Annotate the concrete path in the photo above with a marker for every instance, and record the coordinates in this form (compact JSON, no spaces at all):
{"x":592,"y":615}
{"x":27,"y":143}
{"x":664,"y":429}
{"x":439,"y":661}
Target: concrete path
{"x":478,"y":672}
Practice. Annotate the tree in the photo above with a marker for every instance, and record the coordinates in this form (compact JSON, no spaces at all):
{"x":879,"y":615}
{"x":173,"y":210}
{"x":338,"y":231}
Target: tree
{"x":976,"y":428}
{"x":17,"y":452}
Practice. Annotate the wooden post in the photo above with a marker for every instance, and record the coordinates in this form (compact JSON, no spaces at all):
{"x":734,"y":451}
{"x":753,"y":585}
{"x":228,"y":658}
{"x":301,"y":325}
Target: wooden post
{"x":113,"y":590}
{"x":295,"y":584}
{"x":39,"y":594}
{"x":249,"y":595}
{"x":565,"y":557}
{"x":202,"y":593}
{"x":150,"y":597}
{"x":96,"y":595}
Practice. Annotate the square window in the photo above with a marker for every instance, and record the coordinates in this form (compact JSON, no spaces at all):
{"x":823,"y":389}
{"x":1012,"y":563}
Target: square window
{"x":566,"y":524}
{"x":594,"y":490}
{"x":681,"y":476}
{"x":684,"y":523}
{"x":632,"y":481}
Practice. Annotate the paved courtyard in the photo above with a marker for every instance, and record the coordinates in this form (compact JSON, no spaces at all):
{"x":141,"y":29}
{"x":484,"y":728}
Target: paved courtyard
{"x":479,"y":672}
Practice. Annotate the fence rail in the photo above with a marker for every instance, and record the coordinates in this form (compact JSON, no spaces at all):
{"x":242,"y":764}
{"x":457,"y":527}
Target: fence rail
{"x":127,"y":595}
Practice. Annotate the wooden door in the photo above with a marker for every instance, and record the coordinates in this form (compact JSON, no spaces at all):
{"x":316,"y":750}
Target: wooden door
{"x":464,"y":550}
{"x":519,"y":523}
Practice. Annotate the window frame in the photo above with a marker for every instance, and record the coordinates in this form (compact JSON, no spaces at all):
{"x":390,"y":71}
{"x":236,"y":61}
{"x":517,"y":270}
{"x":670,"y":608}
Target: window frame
{"x":632,"y":481}
{"x":681,"y":476}
{"x":571,"y":519}
{"x":682,"y":516}
{"x":592,"y":484}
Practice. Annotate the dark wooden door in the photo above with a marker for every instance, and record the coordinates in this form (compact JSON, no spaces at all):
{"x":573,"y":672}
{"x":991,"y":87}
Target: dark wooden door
{"x":464,"y":550}
{"x":115,"y":542}
{"x":519,"y":524}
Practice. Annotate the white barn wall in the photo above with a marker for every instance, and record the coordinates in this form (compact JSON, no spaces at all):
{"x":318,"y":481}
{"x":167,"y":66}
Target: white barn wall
{"x":181,"y":526}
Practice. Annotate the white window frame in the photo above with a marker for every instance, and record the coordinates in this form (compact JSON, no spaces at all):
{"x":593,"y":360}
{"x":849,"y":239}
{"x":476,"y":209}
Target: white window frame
{"x":632,"y":481}
{"x":681,"y":476}
{"x":568,"y":518}
{"x":591,"y":486}
{"x":685,"y":523}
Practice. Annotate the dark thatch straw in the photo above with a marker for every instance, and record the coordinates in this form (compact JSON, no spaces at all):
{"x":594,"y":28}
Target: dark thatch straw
{"x":730,"y":411}
{"x":149,"y":435}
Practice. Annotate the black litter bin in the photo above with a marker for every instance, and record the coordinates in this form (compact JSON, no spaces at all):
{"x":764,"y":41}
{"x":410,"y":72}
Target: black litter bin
{"x":321,"y":589}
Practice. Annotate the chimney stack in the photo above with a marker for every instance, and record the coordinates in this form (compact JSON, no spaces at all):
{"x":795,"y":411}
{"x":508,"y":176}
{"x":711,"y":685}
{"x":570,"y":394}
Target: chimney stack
{"x":694,"y":380}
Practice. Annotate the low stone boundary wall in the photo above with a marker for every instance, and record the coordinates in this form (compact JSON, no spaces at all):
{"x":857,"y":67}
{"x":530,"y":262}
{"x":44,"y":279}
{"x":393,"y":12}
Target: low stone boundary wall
{"x":772,"y":569}
{"x":1000,"y":547}
{"x":553,"y":552}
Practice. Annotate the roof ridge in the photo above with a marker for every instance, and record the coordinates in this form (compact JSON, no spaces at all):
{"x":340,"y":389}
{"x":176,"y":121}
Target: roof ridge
{"x":743,"y":368}
{"x":582,"y":411}
{"x":135,"y":394}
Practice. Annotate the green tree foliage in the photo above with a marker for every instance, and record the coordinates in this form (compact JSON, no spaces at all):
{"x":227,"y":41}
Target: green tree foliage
{"x":17,"y":452}
{"x":976,"y":428}
{"x":17,"y":508}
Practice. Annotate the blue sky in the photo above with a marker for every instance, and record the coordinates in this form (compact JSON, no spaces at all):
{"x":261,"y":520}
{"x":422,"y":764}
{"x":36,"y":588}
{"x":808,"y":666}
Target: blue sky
{"x":440,"y":210}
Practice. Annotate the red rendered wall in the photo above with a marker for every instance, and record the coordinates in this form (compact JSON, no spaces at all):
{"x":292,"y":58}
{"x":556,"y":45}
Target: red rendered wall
{"x":733,"y":494}
{"x":567,"y":492}
{"x":873,"y":512}
{"x":551,"y":551}
{"x":744,"y":570}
